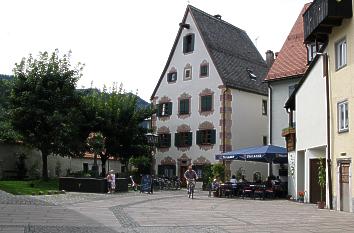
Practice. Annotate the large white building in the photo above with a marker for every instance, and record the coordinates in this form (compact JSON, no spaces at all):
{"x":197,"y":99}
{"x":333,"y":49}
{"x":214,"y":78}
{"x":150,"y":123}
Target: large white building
{"x":210,"y":97}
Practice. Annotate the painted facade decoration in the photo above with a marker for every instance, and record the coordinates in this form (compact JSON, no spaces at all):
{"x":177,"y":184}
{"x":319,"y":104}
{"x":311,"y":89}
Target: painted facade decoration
{"x":206,"y":97}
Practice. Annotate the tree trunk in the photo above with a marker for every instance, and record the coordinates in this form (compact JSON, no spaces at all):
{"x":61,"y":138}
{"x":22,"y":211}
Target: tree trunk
{"x":44,"y":165}
{"x":103,"y":165}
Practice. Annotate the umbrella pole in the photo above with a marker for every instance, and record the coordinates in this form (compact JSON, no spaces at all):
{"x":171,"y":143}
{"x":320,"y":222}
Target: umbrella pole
{"x":270,"y":167}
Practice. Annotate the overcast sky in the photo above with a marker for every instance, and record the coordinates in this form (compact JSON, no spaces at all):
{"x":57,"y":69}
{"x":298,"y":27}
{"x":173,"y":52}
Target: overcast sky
{"x":127,"y":41}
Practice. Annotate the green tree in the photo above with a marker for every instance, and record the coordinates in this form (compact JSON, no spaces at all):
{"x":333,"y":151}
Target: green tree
{"x":321,"y":176}
{"x":44,"y":104}
{"x":7,"y":133}
{"x":118,"y":117}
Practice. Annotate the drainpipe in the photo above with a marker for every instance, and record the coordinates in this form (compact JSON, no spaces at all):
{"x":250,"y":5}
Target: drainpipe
{"x":270,"y":114}
{"x":270,"y":168}
{"x":224,"y":120}
{"x":224,"y":130}
{"x":329,"y":170}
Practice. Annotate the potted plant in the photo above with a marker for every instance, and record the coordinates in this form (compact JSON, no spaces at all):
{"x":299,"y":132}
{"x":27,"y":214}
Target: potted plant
{"x":321,"y":181}
{"x":301,"y":196}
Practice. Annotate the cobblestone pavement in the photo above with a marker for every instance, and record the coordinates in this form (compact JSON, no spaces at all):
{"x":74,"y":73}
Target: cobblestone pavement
{"x":165,"y":212}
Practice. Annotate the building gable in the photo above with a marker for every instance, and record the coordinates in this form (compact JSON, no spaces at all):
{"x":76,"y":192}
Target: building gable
{"x":231,"y":51}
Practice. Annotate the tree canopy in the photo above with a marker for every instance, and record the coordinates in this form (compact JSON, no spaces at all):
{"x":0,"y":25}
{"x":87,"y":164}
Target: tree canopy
{"x":44,"y":104}
{"x":119,"y":118}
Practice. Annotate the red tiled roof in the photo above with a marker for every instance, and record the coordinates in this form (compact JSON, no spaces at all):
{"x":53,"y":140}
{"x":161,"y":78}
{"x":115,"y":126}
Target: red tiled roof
{"x":292,"y":58}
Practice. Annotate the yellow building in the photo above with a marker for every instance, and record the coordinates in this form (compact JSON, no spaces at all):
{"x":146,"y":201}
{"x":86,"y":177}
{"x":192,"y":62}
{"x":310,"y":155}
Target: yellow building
{"x":331,"y":22}
{"x":341,"y":73}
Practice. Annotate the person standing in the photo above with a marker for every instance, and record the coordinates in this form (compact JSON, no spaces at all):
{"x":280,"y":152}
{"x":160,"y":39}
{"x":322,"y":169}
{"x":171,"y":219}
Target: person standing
{"x":109,"y":182}
{"x":113,"y":182}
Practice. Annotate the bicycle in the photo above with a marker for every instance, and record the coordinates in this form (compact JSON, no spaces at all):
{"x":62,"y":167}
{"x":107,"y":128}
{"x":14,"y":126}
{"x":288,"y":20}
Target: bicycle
{"x":190,"y":188}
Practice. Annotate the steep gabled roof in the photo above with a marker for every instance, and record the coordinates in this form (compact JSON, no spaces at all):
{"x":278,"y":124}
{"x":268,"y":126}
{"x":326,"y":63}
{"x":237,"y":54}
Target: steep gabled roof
{"x":292,"y":58}
{"x":231,"y":50}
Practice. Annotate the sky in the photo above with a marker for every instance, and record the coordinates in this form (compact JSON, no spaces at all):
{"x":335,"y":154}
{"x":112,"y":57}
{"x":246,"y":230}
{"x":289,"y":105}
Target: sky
{"x":127,"y":41}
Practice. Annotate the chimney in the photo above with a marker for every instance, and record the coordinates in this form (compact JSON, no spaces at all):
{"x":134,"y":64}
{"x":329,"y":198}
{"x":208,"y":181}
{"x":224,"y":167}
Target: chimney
{"x":269,"y":58}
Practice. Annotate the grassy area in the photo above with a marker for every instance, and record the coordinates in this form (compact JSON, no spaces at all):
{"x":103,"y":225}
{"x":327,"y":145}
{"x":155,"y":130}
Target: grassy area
{"x":19,"y":187}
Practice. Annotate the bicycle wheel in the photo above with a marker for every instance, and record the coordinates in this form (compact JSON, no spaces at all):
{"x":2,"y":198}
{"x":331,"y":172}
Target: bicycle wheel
{"x":192,"y":191}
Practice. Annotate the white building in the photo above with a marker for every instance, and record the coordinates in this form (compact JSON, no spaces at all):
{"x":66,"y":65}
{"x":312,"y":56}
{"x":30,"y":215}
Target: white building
{"x":210,"y":97}
{"x":286,"y":71}
{"x":308,"y":104}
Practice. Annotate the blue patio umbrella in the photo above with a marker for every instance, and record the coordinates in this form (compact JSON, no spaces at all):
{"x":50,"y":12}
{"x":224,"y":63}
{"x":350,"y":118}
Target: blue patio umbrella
{"x":267,"y":154}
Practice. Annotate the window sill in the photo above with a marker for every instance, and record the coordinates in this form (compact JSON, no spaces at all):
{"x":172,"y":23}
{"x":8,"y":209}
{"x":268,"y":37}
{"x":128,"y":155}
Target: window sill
{"x":343,"y":131}
{"x":171,"y":82}
{"x":187,"y":53}
{"x":203,"y":76}
{"x":342,"y":67}
{"x":206,"y":113}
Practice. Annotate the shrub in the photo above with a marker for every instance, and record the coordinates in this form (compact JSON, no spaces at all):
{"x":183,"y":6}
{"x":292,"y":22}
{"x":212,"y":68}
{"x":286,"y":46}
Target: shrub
{"x":219,"y":171}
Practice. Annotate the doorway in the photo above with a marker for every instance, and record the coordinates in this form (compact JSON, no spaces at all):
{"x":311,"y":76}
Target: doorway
{"x":344,"y":193}
{"x":315,"y":189}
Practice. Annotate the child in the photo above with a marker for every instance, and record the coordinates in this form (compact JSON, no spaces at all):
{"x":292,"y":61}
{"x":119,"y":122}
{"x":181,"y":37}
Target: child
{"x":109,"y":182}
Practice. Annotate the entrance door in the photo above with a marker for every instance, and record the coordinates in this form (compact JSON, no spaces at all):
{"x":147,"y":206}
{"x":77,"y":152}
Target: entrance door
{"x":182,"y":170}
{"x":315,"y":189}
{"x":344,"y":186}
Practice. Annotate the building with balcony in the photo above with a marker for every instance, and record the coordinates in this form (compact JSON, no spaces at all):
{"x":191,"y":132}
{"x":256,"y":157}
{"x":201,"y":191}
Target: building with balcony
{"x":330,"y":22}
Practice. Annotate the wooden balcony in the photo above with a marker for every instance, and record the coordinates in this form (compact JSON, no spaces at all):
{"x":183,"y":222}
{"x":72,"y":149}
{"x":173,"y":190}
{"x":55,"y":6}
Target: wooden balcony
{"x":290,"y":138}
{"x":322,"y":16}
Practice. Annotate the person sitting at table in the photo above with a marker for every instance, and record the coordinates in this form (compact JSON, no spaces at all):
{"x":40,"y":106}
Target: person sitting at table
{"x":233,"y":179}
{"x":243,"y":179}
{"x":215,"y":185}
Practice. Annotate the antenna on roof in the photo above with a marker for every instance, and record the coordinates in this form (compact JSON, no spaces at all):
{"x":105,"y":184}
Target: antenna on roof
{"x":256,"y":40}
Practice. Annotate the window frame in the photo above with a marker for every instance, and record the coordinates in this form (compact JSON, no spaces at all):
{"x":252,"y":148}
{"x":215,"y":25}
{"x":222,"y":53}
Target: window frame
{"x":264,"y":107}
{"x":341,"y":54}
{"x":180,"y":112}
{"x":206,"y":137}
{"x":170,"y":75}
{"x":163,"y":110}
{"x":343,"y":126}
{"x":188,"y":45}
{"x":210,"y":108}
{"x":202,"y":75}
{"x":164,"y":140}
{"x":187,"y":69}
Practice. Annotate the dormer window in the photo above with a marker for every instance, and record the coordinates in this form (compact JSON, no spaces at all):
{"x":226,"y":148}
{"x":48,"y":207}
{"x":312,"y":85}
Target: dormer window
{"x":252,"y":76}
{"x":188,"y":43}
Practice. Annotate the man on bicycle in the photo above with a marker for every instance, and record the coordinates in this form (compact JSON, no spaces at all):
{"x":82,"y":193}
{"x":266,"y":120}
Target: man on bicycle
{"x":190,"y":175}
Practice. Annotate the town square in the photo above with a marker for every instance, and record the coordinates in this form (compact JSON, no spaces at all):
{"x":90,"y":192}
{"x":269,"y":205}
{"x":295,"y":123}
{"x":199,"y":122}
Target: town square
{"x":180,"y":116}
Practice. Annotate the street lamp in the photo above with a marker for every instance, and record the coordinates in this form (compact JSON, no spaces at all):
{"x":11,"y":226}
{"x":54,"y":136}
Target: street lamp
{"x":152,"y":140}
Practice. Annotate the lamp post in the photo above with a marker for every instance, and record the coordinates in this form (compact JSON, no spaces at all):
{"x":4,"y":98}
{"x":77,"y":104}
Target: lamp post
{"x":152,"y":140}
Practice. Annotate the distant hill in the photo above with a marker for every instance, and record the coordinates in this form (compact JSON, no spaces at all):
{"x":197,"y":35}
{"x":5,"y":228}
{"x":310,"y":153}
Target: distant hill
{"x":141,"y":103}
{"x":6,"y":77}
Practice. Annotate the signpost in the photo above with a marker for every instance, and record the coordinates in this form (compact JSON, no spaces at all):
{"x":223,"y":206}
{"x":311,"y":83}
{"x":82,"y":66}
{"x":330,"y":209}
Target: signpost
{"x":146,"y":184}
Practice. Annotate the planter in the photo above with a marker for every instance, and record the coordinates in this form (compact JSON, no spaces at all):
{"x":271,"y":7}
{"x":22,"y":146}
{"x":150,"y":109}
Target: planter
{"x":321,"y":204}
{"x":90,"y":185}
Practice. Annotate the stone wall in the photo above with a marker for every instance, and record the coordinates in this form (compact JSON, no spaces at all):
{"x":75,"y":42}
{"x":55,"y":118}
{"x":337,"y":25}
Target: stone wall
{"x":34,"y":162}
